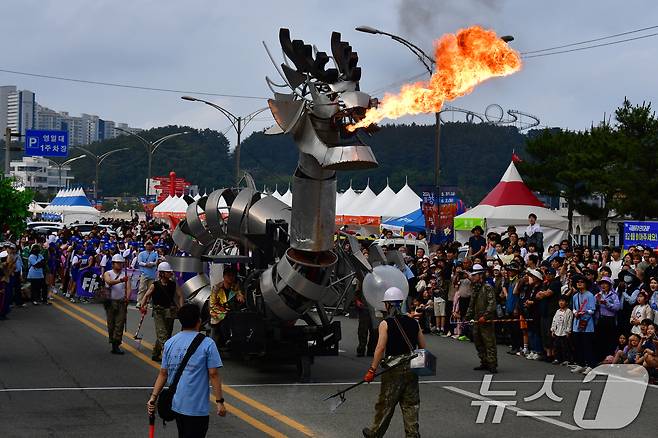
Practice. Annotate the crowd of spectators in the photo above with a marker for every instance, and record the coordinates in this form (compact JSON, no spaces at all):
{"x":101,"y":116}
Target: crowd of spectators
{"x":38,"y":266}
{"x":565,"y":304}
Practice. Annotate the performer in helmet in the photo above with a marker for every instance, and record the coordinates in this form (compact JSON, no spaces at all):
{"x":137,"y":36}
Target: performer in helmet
{"x":399,"y":335}
{"x":117,"y":305}
{"x":482,"y":309}
{"x":166,"y":301}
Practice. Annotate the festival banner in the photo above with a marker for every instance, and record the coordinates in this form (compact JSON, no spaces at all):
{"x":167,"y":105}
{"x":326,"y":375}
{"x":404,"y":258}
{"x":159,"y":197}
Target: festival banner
{"x":89,"y":282}
{"x":641,"y":233}
{"x":468,"y":223}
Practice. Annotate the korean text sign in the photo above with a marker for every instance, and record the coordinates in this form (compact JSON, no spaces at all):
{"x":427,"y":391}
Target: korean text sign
{"x":641,"y":233}
{"x":46,"y":143}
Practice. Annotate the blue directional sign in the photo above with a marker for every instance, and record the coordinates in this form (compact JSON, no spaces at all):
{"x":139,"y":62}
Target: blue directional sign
{"x":46,"y":143}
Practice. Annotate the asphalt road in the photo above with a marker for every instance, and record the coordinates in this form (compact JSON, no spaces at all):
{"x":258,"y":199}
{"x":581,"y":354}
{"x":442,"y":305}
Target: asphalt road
{"x":57,"y":379}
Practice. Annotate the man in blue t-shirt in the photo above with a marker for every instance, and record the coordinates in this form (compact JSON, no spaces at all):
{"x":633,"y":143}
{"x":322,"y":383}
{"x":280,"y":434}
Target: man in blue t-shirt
{"x":191,"y":400}
{"x":147,"y":262}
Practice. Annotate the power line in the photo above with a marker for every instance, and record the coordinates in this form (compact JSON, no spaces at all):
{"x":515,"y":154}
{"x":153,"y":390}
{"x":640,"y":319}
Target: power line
{"x":590,"y":41}
{"x":134,"y":87}
{"x":417,"y":76}
{"x":592,"y":46}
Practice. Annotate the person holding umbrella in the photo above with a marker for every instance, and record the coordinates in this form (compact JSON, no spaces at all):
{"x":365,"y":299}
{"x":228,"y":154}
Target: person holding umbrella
{"x":116,"y":305}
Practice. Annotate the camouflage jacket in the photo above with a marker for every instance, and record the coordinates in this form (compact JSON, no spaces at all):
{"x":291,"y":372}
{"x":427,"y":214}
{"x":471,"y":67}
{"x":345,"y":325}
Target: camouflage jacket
{"x":483,"y":302}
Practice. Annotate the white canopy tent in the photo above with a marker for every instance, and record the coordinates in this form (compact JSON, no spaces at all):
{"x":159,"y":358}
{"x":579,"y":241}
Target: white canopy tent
{"x":404,"y":202}
{"x":345,"y":199}
{"x":381,"y":203}
{"x":71,"y":206}
{"x":510,"y":203}
{"x":360,"y":203}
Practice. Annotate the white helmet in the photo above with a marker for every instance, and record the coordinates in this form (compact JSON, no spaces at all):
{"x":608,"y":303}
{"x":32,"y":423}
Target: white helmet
{"x":118,"y":258}
{"x":393,"y":294}
{"x":165,"y":267}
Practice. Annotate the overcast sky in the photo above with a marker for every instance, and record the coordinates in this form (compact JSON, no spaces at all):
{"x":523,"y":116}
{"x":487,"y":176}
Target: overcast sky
{"x":215,"y":46}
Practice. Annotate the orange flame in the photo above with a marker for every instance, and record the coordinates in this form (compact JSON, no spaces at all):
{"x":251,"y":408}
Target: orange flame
{"x":463,"y":60}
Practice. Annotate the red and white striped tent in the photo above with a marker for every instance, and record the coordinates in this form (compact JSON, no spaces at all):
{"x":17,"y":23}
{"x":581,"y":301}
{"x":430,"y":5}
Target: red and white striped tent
{"x":510,"y":203}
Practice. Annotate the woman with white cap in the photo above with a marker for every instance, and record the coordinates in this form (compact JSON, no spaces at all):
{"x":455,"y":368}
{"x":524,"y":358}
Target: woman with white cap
{"x":399,"y":335}
{"x":166,"y":301}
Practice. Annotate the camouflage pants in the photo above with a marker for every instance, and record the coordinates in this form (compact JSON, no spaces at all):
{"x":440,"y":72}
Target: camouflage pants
{"x":115,"y":311}
{"x":164,"y":318}
{"x":400,"y":385}
{"x":484,"y":337}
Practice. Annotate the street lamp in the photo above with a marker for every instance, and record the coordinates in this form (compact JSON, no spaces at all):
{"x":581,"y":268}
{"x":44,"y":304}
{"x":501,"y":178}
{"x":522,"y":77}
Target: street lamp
{"x":62,"y":164}
{"x":239,"y":123}
{"x":99,"y":160}
{"x":151,"y":147}
{"x":429,"y":63}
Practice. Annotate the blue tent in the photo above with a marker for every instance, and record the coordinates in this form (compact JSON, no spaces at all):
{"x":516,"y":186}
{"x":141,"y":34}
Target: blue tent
{"x":412,"y":222}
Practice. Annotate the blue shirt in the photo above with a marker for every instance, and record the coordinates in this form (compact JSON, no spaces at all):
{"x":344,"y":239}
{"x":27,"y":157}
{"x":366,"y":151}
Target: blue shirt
{"x":147,"y":257}
{"x":587,"y":303}
{"x":193,"y":393}
{"x":34,"y":272}
{"x":512,"y":300}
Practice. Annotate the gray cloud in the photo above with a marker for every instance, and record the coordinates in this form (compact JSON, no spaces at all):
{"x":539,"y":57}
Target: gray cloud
{"x":215,"y":46}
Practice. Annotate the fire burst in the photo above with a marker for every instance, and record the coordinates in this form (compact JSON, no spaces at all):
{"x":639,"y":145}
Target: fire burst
{"x":463,"y":60}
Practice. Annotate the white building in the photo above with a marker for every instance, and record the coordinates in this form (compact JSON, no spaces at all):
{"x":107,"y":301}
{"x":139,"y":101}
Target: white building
{"x":18,"y":109}
{"x":39,"y":173}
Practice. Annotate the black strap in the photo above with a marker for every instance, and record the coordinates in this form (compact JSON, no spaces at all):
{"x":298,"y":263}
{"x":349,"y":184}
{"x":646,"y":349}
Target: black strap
{"x":404,"y":335}
{"x":190,"y":351}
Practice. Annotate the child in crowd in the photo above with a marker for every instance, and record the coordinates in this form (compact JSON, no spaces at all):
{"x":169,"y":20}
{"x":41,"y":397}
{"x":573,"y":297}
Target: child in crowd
{"x":633,"y":349}
{"x":561,"y":330}
{"x":640,"y":312}
{"x":620,"y":352}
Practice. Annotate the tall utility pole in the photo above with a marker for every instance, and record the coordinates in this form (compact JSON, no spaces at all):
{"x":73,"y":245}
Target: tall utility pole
{"x":151,"y":147}
{"x":98,"y":160}
{"x":239,"y":123}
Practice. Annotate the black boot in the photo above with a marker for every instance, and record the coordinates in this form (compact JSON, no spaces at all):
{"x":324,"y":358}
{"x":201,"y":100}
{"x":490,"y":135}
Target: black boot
{"x":116,"y":349}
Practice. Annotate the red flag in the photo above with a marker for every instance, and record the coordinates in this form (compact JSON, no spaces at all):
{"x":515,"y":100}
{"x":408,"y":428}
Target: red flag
{"x":516,"y":158}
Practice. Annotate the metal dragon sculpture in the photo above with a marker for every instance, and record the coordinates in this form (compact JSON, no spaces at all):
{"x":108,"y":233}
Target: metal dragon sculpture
{"x":290,"y":249}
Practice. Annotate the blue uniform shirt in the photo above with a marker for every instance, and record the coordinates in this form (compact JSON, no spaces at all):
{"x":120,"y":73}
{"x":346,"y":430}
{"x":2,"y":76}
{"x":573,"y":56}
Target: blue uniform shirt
{"x":34,"y":272}
{"x":147,"y":257}
{"x":193,"y":393}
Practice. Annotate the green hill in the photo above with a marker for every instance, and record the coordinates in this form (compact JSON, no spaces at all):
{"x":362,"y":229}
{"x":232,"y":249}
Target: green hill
{"x":474,"y":156}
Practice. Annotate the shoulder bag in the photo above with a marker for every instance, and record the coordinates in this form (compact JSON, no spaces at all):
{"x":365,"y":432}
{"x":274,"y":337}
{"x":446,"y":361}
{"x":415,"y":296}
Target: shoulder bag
{"x":423,"y":363}
{"x":166,"y":397}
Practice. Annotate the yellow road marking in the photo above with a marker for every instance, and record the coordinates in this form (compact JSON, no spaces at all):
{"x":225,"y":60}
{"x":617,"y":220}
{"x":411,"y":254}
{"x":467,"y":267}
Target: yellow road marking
{"x":230,"y":408}
{"x":227,"y":389}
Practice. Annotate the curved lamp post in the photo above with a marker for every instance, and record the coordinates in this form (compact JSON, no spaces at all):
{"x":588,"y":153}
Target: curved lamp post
{"x":98,"y":161}
{"x":429,"y":63}
{"x":62,"y":164}
{"x":151,"y":147}
{"x":239,"y":123}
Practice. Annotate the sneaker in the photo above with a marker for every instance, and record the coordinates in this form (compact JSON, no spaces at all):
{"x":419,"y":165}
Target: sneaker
{"x":449,"y":334}
{"x":455,"y":336}
{"x":555,"y":362}
{"x":463,"y":338}
{"x":434,"y":331}
{"x":565,"y":363}
{"x":586,"y":370}
{"x":513,"y":351}
{"x":532,"y":356}
{"x":577,"y":369}
{"x":35,"y":303}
